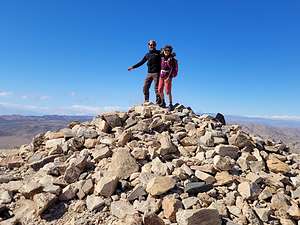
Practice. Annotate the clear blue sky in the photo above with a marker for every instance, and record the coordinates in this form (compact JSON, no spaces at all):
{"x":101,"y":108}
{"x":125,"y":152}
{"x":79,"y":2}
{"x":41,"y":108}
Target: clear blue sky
{"x":71,"y":56}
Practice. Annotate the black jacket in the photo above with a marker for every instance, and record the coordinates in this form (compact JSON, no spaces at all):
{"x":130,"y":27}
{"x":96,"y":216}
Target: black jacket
{"x":153,"y":57}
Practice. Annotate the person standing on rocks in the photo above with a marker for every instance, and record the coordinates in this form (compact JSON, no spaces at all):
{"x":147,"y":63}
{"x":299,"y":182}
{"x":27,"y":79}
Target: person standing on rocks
{"x":169,"y":70}
{"x":152,"y":58}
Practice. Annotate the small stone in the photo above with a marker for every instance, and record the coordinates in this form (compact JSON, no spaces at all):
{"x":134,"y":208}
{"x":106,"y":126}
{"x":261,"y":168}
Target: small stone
{"x":101,"y":152}
{"x":257,"y":166}
{"x":106,"y":186}
{"x":112,"y":119}
{"x":69,"y":192}
{"x":136,"y":193}
{"x":276,"y":166}
{"x":189,"y":202}
{"x":287,"y":222}
{"x":94,"y":202}
{"x":43,"y":201}
{"x":160,"y":185}
{"x":263,"y":213}
{"x":223,"y":178}
{"x":151,"y":205}
{"x":101,"y":124}
{"x":198,"y":217}
{"x":296,"y":193}
{"x":294,"y":211}
{"x":207,"y":140}
{"x":248,"y":190}
{"x":241,"y":140}
{"x":189,"y":141}
{"x":166,"y":145}
{"x":124,"y":138}
{"x":139,"y":153}
{"x":194,"y":188}
{"x":5,"y":197}
{"x":31,"y":188}
{"x":279,"y":202}
{"x":54,"y":135}
{"x":223,"y":163}
{"x":121,"y":209}
{"x":72,"y":173}
{"x":87,"y":133}
{"x":234,"y":210}
{"x":50,"y":144}
{"x":170,"y":206}
{"x":88,"y":186}
{"x":122,"y":164}
{"x":90,"y":143}
{"x":153,"y":219}
{"x":158,"y":167}
{"x":266,"y":193}
{"x":207,"y":178}
{"x":227,"y":150}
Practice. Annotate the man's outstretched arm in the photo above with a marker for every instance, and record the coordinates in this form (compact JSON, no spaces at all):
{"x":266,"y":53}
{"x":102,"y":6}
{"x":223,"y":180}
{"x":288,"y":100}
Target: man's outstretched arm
{"x":138,"y":64}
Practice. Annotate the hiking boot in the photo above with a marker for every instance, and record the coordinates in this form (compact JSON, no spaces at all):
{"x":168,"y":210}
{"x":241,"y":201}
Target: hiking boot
{"x":170,"y":108}
{"x":163,"y":104}
{"x":158,"y":100}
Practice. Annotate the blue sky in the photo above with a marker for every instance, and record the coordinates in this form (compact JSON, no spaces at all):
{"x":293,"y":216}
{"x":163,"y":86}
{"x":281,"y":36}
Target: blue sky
{"x":71,"y":56}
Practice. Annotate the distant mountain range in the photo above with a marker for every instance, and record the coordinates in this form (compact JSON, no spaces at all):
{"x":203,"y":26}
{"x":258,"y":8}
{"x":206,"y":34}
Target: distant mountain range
{"x":16,"y":130}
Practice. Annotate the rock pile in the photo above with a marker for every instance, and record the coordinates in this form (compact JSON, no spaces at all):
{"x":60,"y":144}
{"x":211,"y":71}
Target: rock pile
{"x":152,"y":167}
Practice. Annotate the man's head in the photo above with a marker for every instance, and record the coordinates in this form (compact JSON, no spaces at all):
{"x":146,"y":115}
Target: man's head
{"x":152,"y":45}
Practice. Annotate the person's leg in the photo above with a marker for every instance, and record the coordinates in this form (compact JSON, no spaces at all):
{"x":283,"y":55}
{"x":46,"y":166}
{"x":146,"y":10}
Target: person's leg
{"x":147,"y":85}
{"x":156,"y":83}
{"x":169,"y":92}
{"x":161,"y":91}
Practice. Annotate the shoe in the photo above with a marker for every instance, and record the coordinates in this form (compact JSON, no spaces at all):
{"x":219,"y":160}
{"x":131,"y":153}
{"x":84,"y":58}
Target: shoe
{"x":158,"y":100}
{"x":163,"y":104}
{"x":170,"y":108}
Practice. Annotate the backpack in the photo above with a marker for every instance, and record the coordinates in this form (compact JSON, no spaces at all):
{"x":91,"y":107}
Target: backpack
{"x":175,"y":68}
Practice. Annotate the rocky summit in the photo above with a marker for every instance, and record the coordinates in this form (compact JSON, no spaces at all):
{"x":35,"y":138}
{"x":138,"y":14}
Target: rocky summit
{"x":153,"y":167}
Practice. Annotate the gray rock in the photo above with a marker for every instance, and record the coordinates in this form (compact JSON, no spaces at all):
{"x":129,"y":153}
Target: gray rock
{"x":194,"y":188}
{"x":106,"y":186}
{"x":207,"y":139}
{"x":101,"y":152}
{"x":167,"y":146}
{"x":223,"y":163}
{"x":122,"y":164}
{"x":94,"y":202}
{"x":112,"y":119}
{"x":121,"y":209}
{"x":136,"y":193}
{"x":160,"y":185}
{"x":227,"y":150}
{"x":189,"y":202}
{"x":43,"y":201}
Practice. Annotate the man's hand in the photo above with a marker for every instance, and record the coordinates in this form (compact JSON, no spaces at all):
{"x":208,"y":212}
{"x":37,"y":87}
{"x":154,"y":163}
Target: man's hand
{"x":130,"y":68}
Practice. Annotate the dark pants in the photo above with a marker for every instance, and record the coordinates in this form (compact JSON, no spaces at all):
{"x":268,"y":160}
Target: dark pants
{"x":148,"y":81}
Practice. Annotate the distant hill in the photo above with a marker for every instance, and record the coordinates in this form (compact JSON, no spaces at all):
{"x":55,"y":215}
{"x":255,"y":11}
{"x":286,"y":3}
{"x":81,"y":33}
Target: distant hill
{"x":16,"y":130}
{"x":287,"y":131}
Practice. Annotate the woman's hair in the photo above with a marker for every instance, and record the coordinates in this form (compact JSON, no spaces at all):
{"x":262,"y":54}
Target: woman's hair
{"x":171,"y":50}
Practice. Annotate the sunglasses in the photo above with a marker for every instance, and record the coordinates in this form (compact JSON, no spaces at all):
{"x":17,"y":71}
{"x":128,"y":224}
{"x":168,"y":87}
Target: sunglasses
{"x":151,"y":44}
{"x":167,"y":50}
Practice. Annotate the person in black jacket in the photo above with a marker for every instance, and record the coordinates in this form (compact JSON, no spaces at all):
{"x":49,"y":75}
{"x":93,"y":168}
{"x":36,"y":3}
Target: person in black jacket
{"x":153,"y":59}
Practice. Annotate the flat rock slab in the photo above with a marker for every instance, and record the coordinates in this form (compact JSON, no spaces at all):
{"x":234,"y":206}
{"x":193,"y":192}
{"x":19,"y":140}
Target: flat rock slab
{"x":194,"y":188}
{"x":160,"y":185}
{"x":198,"y":217}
